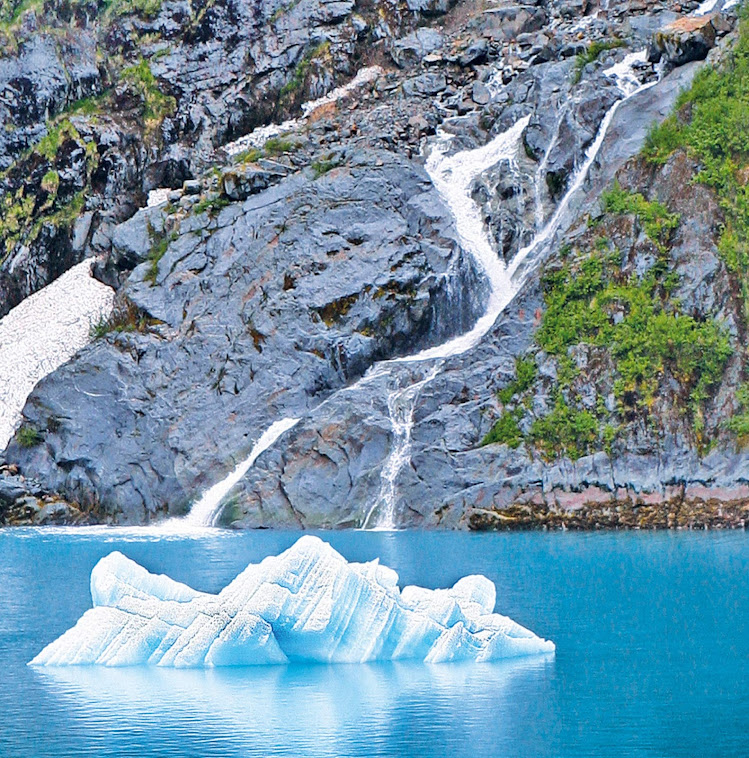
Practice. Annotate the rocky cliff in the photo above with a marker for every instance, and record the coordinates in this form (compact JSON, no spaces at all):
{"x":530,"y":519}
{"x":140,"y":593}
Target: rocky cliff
{"x":286,"y":271}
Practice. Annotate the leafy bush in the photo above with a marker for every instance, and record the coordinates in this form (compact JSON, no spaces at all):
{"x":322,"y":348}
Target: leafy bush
{"x":525,"y":373}
{"x":657,"y":222}
{"x":212,"y":205}
{"x":711,"y":123}
{"x":565,"y":430}
{"x":589,"y":301}
{"x":592,"y":53}
{"x":29,"y":436}
{"x":156,"y":105}
{"x":505,"y":432}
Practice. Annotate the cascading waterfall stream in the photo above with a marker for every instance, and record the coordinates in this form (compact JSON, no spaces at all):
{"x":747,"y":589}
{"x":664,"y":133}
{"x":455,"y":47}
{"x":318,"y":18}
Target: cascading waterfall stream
{"x":453,"y":176}
{"x":401,"y":405}
{"x":206,"y":511}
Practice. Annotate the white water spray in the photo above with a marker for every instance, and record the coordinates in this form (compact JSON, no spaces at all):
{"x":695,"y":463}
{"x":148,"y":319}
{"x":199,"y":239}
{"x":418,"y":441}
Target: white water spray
{"x":453,"y":176}
{"x":207,"y":510}
{"x":401,"y":404}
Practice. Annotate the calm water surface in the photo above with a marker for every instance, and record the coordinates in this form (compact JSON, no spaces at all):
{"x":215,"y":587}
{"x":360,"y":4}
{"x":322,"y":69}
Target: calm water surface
{"x":652,"y":634}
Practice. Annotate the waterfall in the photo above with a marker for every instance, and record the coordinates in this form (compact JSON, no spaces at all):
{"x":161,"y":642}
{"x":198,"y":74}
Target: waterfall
{"x":401,"y":404}
{"x":44,"y":331}
{"x":453,"y":176}
{"x":206,"y":511}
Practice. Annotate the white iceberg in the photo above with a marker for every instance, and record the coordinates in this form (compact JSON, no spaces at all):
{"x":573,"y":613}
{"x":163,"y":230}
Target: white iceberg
{"x":307,"y":604}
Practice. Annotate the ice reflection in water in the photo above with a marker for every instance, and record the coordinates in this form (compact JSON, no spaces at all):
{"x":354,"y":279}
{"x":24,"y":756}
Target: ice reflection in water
{"x":320,"y":710}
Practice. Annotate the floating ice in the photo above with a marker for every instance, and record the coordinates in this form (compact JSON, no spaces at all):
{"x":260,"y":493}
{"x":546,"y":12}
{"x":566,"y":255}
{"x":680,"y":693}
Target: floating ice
{"x":307,"y":604}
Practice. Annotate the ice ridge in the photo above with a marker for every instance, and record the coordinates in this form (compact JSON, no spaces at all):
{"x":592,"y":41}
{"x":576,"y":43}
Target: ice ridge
{"x":306,"y":604}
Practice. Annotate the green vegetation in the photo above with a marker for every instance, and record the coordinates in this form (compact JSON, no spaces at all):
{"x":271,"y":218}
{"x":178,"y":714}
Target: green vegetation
{"x":739,"y":424}
{"x":252,"y":155}
{"x":126,"y":317}
{"x":51,"y":182}
{"x":57,"y":134}
{"x":299,"y":76}
{"x":144,"y":8}
{"x":592,"y":53}
{"x":11,"y":12}
{"x":272,"y":148}
{"x":156,"y":105}
{"x":505,"y":431}
{"x":211,"y":204}
{"x":158,"y":249}
{"x":27,"y":205}
{"x":88,"y":106}
{"x":278,"y":146}
{"x":321,"y":167}
{"x":525,"y":372}
{"x":29,"y":436}
{"x":711,"y":122}
{"x":657,"y":222}
{"x":631,"y":329}
{"x":589,"y":300}
{"x":566,"y":430}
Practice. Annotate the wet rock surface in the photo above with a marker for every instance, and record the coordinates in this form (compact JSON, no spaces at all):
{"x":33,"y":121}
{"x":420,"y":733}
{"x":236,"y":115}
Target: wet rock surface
{"x":272,"y":279}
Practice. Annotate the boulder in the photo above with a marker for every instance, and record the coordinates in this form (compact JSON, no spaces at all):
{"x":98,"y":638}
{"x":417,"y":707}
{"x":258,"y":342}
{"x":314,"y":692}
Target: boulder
{"x":414,"y":47}
{"x":240,"y":182}
{"x":687,"y":39}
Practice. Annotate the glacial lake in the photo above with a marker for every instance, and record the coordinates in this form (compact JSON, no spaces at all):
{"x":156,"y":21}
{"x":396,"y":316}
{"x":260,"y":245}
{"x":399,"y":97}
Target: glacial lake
{"x":652,"y":635}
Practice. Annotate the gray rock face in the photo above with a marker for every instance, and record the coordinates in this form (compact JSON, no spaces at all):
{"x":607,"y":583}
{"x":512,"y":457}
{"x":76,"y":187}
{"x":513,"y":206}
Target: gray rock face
{"x":329,"y":471}
{"x":276,"y":288}
{"x":152,"y":95}
{"x":263,"y":311}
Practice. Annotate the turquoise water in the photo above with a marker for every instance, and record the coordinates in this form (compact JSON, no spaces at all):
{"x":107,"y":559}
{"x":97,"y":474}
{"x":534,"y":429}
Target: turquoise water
{"x":652,"y":634}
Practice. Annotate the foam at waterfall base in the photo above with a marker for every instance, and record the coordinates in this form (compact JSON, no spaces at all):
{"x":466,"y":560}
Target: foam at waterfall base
{"x":307,"y":604}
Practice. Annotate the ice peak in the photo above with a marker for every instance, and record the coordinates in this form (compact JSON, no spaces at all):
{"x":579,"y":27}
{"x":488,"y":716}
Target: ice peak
{"x":308,"y":603}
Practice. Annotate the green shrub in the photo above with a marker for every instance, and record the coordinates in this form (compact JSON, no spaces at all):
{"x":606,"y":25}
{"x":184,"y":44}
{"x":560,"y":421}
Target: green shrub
{"x":29,"y":436}
{"x":156,"y":105}
{"x":657,"y":222}
{"x":144,"y":8}
{"x":589,"y":301}
{"x":212,"y":205}
{"x":248,"y":156}
{"x":278,"y":146}
{"x":321,"y":167}
{"x":125,"y":317}
{"x":158,"y":249}
{"x":525,"y":376}
{"x":739,"y":423}
{"x":56,"y":135}
{"x":592,"y":53}
{"x":299,"y":76}
{"x":711,"y":123}
{"x":505,"y":432}
{"x":565,"y":430}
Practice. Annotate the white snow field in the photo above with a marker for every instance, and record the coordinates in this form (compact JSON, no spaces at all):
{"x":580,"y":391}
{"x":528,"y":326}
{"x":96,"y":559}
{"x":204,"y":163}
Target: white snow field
{"x":307,"y":604}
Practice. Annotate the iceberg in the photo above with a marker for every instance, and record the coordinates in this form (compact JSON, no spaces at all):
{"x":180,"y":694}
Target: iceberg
{"x":306,"y":604}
